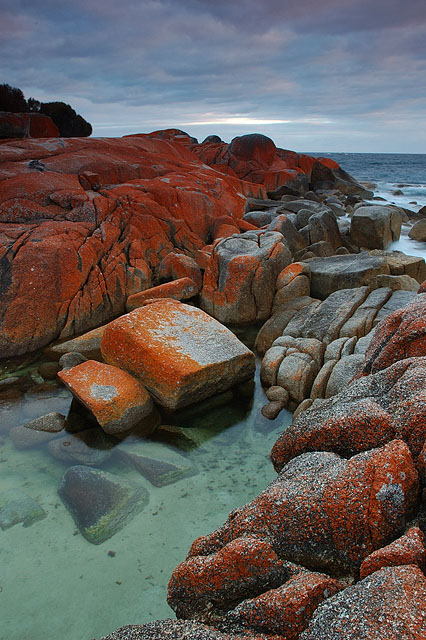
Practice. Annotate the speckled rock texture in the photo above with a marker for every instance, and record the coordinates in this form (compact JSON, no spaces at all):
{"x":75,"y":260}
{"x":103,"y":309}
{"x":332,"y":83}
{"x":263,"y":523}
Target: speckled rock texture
{"x":322,"y":511}
{"x":409,"y":549}
{"x":401,"y":335}
{"x":117,"y":400}
{"x":390,"y":604}
{"x":286,"y":610}
{"x":368,"y":413}
{"x":181,"y":289}
{"x":239,"y":282}
{"x":180,"y":353}
{"x":179,"y":630}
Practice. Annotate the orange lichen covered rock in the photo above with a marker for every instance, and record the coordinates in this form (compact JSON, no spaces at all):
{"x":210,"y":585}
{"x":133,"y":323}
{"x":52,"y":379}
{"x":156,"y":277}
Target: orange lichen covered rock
{"x":239,"y":283}
{"x":409,"y":549}
{"x":292,"y":271}
{"x":85,"y":223}
{"x":181,"y":354}
{"x":88,"y":344}
{"x":323,"y":512}
{"x":368,"y":413}
{"x":24,"y":125}
{"x":179,"y":265}
{"x":180,"y":289}
{"x":286,"y":611}
{"x":117,"y":400}
{"x":389,"y":604}
{"x":401,"y":335}
{"x":239,"y":570}
{"x":254,"y":157}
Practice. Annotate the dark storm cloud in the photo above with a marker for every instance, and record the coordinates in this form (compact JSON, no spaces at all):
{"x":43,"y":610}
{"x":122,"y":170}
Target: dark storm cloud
{"x":353,"y":67}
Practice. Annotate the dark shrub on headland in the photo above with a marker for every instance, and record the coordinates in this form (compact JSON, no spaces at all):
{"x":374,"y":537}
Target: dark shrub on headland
{"x":12,"y":99}
{"x":69,"y":123}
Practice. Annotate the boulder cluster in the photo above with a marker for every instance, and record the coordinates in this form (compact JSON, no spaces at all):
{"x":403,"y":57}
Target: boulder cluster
{"x":135,"y":253}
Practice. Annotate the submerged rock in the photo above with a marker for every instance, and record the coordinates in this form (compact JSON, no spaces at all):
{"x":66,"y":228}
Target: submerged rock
{"x":100,"y":503}
{"x":24,"y":438}
{"x":158,"y":463}
{"x":91,"y":447}
{"x":16,"y":507}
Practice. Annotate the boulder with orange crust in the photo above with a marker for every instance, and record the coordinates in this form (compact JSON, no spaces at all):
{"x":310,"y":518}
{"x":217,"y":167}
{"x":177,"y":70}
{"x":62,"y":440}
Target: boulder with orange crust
{"x":239,"y":282}
{"x":180,"y":354}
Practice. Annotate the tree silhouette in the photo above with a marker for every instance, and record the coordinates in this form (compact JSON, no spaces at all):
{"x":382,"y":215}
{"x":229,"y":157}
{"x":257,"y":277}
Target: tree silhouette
{"x":12,"y":99}
{"x":69,"y":123}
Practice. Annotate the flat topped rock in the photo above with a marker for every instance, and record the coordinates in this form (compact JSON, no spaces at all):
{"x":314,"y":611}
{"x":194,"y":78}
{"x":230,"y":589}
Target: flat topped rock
{"x":344,"y":272}
{"x":180,"y":353}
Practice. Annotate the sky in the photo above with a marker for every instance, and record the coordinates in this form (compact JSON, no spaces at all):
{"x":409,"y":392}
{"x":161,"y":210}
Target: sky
{"x":314,"y":75}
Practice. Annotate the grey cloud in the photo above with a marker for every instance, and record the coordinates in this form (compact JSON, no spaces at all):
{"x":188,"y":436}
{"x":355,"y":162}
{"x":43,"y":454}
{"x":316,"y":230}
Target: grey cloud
{"x":141,"y":62}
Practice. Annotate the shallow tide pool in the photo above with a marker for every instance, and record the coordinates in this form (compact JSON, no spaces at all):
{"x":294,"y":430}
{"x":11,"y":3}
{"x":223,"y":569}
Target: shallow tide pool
{"x":54,"y":583}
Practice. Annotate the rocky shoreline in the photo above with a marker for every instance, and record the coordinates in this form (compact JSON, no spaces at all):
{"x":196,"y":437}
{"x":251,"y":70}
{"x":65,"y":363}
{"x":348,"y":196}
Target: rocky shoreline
{"x":187,"y":238}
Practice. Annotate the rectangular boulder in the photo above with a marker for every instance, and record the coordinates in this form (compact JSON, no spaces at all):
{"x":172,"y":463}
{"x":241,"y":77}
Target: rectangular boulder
{"x":181,"y":354}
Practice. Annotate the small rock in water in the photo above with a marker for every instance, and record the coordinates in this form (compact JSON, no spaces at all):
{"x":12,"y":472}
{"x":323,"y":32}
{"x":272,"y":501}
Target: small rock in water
{"x":277,"y":394}
{"x":176,"y":437}
{"x":24,"y":438}
{"x":156,"y":462}
{"x":48,"y":370}
{"x":101,"y":503}
{"x":117,"y":400}
{"x":72,"y":359}
{"x":272,"y":409}
{"x":91,"y":447}
{"x":16,"y":507}
{"x":51,"y":422}
{"x":11,"y":381}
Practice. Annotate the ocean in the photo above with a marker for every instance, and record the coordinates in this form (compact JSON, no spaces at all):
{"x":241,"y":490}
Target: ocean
{"x":391,"y":172}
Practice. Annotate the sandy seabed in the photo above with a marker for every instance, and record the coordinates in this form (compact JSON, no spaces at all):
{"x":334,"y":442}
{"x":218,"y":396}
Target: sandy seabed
{"x":54,"y":583}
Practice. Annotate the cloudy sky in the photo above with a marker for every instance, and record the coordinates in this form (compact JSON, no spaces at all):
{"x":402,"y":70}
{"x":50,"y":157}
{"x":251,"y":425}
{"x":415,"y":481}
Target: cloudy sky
{"x":315,"y":75}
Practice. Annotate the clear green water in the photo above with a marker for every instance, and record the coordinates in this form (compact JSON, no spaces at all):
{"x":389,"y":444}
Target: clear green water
{"x":55,"y":584}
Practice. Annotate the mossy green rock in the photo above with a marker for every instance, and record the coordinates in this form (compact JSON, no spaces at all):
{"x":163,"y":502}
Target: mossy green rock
{"x":100,"y":503}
